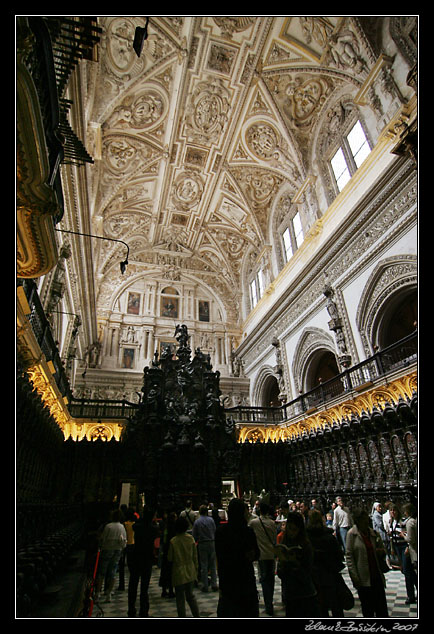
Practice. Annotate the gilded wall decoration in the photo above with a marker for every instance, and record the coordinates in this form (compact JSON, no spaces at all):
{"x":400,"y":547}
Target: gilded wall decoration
{"x":262,"y":139}
{"x":379,"y":397}
{"x":120,"y":35}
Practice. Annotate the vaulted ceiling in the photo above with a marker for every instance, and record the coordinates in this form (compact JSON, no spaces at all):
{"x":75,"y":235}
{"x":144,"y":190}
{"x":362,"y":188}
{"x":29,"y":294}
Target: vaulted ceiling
{"x":194,"y":139}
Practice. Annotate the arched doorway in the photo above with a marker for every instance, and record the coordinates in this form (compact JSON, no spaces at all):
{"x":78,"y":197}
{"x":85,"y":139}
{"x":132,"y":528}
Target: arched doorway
{"x":270,"y":392}
{"x":322,"y":368}
{"x":399,"y":320}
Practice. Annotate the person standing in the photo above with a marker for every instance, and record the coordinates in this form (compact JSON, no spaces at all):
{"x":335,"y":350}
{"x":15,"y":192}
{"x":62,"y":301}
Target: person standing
{"x":363,"y":550}
{"x":113,"y":542}
{"x":265,"y":530}
{"x":236,"y":550}
{"x":204,"y":535}
{"x":189,"y":515}
{"x":342,"y":522}
{"x":328,"y":562}
{"x":167,"y":529}
{"x":140,"y":562}
{"x":295,"y":569}
{"x":399,"y":547}
{"x":410,"y":532}
{"x":183,"y":555}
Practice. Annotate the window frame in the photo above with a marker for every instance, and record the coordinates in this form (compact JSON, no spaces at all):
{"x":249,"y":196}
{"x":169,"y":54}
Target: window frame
{"x":344,"y":145}
{"x":257,"y":286}
{"x":293,"y":236}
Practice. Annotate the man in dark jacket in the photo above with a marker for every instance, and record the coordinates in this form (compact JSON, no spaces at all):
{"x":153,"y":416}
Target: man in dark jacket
{"x":142,"y":560}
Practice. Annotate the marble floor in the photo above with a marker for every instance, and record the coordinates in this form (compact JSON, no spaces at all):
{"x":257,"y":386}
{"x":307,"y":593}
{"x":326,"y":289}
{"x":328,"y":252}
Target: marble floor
{"x":163,"y":608}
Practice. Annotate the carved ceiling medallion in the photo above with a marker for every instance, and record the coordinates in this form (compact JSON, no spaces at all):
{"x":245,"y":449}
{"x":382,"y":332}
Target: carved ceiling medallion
{"x":262,"y":140}
{"x":188,"y":190}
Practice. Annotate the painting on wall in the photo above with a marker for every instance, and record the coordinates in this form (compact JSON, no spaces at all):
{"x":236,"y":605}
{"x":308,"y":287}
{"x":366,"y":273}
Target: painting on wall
{"x":133,"y":305}
{"x":169,"y":307}
{"x":128,"y":358}
{"x":203,"y":310}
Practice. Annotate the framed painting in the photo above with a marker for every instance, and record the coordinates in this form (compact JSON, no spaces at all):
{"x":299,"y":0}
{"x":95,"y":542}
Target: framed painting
{"x":133,"y":305}
{"x":169,"y":306}
{"x":128,"y":358}
{"x":203,"y":310}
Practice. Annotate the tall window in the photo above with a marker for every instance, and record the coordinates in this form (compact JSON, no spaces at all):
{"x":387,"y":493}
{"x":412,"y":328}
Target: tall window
{"x":348,"y":158}
{"x":257,"y":287}
{"x":254,"y":292}
{"x":292,"y":237}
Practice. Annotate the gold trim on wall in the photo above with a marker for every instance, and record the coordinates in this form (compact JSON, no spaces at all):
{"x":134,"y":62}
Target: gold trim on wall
{"x":404,"y":387}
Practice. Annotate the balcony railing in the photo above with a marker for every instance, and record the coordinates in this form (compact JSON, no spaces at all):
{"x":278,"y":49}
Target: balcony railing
{"x":96,"y":409}
{"x":59,"y":44}
{"x":395,"y":357}
{"x":44,"y":336}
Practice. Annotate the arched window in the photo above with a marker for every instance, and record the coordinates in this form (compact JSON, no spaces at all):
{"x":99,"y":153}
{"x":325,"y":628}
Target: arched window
{"x":343,"y":144}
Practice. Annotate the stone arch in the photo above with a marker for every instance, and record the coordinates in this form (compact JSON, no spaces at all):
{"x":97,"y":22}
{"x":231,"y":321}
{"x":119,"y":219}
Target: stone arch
{"x":387,"y":285}
{"x":312,"y":342}
{"x":262,"y":385}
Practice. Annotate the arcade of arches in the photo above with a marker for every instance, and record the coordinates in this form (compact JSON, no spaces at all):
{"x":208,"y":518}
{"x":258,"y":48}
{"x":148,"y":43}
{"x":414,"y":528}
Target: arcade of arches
{"x":216,"y":263}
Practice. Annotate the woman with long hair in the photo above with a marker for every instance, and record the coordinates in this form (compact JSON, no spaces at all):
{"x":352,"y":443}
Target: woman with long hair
{"x":295,"y":569}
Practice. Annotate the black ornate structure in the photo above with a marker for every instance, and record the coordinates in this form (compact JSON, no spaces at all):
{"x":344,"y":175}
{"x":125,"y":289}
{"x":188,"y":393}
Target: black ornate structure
{"x":364,"y":458}
{"x":179,"y":440}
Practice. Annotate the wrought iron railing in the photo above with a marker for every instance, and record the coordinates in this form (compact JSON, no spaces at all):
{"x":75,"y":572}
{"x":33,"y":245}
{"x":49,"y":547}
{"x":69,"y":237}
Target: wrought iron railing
{"x":59,"y":44}
{"x":395,"y":357}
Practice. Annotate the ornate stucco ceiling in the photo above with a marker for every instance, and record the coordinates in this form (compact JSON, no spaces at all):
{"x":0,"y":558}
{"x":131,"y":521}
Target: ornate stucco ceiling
{"x":194,"y":139}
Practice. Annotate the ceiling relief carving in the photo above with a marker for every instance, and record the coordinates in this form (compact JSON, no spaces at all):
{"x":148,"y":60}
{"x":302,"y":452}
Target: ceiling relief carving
{"x":207,"y":113}
{"x":198,"y":138}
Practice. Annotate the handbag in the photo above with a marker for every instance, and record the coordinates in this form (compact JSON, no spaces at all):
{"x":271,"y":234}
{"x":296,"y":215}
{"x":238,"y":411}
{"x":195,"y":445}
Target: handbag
{"x":344,"y":595}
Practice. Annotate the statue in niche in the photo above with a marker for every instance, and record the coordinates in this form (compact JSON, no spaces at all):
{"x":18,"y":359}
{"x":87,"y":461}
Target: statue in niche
{"x":331,"y":305}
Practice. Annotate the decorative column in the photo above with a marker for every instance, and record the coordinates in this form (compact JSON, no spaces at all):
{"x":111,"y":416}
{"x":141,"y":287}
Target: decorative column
{"x":335,"y":324}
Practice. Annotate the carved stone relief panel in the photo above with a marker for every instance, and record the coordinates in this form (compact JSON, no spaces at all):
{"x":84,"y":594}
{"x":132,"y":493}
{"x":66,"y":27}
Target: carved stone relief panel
{"x":207,"y":112}
{"x":139,"y":111}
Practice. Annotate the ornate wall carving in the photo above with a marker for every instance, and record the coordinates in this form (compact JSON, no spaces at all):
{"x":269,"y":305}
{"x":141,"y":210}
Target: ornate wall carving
{"x":389,"y":276}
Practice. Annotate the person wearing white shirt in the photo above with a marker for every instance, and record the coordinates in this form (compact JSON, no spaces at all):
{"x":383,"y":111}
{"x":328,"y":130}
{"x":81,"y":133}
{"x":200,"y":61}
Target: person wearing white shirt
{"x":113,"y":541}
{"x":342,"y":522}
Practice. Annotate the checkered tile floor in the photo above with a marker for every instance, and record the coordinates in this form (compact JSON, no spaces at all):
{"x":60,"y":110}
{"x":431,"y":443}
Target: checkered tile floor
{"x":162,"y":608}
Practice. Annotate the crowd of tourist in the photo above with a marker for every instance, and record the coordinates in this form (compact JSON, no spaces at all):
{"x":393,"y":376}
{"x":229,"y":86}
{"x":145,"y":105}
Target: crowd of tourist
{"x":305,"y":545}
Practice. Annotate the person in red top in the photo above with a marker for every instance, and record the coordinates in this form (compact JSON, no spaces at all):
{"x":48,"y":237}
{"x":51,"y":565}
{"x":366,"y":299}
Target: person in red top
{"x":363,"y":551}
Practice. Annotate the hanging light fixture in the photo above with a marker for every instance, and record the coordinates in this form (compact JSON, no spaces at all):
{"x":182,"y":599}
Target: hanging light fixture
{"x":123,"y":264}
{"x":140,"y":35}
